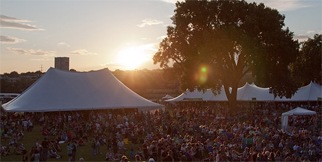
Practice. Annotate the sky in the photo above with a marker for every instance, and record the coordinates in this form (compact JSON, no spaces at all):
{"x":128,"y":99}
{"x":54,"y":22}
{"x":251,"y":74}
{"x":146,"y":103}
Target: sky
{"x":114,"y":34}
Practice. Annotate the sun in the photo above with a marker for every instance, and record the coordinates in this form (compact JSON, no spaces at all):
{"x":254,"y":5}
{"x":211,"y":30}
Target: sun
{"x":133,"y":57}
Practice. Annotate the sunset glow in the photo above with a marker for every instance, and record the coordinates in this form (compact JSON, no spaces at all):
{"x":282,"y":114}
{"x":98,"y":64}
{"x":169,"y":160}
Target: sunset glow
{"x":133,"y":57}
{"x":108,"y":34}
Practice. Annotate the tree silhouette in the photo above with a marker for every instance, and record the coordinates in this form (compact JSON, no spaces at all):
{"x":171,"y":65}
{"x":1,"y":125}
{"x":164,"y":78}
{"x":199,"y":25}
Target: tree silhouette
{"x":215,"y":43}
{"x":308,"y":65}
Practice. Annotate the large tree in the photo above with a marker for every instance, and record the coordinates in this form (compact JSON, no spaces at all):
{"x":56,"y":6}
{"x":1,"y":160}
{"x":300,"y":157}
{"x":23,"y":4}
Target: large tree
{"x":307,"y":66}
{"x":215,"y":43}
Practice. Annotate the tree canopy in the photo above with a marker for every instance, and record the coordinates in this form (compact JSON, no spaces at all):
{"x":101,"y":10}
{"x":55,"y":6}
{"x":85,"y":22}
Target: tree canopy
{"x":307,"y":66}
{"x":215,"y":43}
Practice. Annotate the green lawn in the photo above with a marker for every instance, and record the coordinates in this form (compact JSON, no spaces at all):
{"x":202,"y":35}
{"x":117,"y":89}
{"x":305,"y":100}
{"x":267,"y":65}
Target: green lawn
{"x":82,"y":151}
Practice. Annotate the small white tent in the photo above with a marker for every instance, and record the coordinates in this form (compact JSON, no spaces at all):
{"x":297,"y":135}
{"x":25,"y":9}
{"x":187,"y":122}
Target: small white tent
{"x":296,"y":111}
{"x":178,"y":98}
{"x":195,"y":95}
{"x":60,"y":90}
{"x":166,"y":97}
{"x":201,"y":95}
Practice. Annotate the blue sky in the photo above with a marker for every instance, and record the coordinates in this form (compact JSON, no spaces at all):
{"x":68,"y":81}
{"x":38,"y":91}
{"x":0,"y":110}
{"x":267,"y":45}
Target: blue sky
{"x":96,"y":34}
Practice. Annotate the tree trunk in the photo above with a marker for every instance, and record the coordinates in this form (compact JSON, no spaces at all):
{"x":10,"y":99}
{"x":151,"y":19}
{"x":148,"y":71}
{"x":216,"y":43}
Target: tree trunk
{"x":232,"y":98}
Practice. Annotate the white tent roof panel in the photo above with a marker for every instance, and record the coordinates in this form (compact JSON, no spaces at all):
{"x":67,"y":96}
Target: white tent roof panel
{"x":61,"y":90}
{"x":310,"y":92}
{"x":250,"y":91}
{"x":299,"y":111}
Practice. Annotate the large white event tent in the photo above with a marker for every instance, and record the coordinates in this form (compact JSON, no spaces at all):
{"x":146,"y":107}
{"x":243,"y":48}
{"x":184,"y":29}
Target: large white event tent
{"x":296,"y":111}
{"x":60,"y":90}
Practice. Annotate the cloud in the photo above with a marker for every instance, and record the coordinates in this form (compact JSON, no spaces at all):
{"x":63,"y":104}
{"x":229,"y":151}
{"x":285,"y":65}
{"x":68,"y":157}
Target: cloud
{"x":149,"y":22}
{"x":41,"y":59}
{"x":63,"y":44}
{"x":12,"y":19}
{"x":283,"y":5}
{"x":150,"y":47}
{"x":10,"y":40}
{"x":14,"y":23}
{"x":82,"y":52}
{"x":311,"y":32}
{"x":308,"y":34}
{"x":172,"y":1}
{"x":280,"y":5}
{"x":161,"y":37}
{"x":301,"y":38}
{"x":35,"y":52}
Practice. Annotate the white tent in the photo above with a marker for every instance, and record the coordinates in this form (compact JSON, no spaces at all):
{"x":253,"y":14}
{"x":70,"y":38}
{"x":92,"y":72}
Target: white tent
{"x":178,"y":98}
{"x":59,"y":90}
{"x":252,"y":92}
{"x":310,"y":92}
{"x":166,"y":97}
{"x":208,"y":95}
{"x":195,"y":95}
{"x":249,"y":92}
{"x":219,"y":96}
{"x":296,"y":111}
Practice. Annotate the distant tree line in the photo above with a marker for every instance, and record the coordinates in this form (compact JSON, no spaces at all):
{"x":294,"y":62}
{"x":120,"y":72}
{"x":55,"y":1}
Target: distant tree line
{"x":14,"y":82}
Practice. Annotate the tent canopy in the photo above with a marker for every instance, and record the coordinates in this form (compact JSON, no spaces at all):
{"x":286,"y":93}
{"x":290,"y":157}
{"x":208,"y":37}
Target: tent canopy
{"x":296,"y":111}
{"x":60,"y":90}
{"x":299,"y":111}
{"x":310,"y":92}
{"x":166,"y":97}
{"x":195,"y":95}
{"x":217,"y":96}
{"x":250,"y":91}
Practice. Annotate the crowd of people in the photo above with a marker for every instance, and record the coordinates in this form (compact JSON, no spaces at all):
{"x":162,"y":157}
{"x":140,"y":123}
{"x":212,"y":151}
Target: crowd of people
{"x":185,"y":132}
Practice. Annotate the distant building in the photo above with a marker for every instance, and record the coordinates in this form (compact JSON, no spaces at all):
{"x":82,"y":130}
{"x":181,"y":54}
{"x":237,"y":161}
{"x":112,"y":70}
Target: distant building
{"x":62,"y":63}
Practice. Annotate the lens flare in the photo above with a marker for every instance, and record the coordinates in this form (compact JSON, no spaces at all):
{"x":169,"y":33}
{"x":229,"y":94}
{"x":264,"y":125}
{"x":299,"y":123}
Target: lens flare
{"x":204,"y":69}
{"x":202,"y":75}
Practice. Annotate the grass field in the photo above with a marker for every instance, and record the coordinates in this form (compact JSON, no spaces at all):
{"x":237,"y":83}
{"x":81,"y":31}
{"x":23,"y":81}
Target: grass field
{"x":82,"y":151}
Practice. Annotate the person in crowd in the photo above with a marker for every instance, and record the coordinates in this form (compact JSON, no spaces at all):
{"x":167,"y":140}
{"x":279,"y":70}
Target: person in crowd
{"x":70,"y":151}
{"x":124,"y":159}
{"x":74,"y":149}
{"x":44,"y":150}
{"x":52,"y":153}
{"x":35,"y":157}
